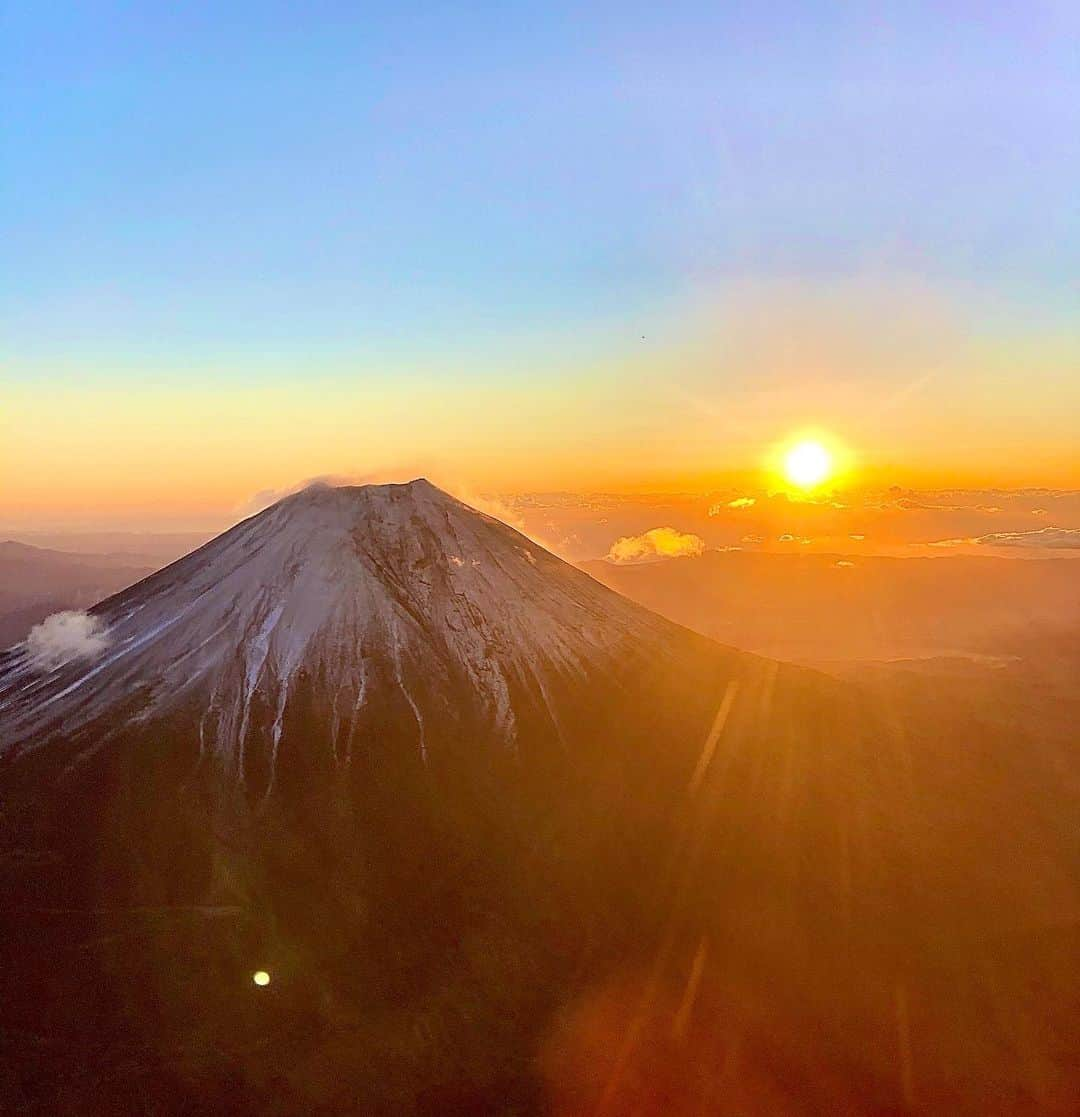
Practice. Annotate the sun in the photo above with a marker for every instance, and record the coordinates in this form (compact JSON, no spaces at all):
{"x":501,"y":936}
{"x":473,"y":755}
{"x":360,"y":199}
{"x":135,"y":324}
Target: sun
{"x":807,"y":464}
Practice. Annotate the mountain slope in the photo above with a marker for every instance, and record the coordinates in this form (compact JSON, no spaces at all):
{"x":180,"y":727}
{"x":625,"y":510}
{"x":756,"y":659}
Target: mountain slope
{"x":396,"y":584}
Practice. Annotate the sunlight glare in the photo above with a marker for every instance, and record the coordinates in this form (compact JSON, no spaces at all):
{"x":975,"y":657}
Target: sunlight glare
{"x":808,"y":464}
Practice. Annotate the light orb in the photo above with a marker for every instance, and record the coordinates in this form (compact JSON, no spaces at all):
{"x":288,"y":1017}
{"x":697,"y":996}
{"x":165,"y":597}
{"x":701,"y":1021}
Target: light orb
{"x":260,"y":977}
{"x":807,"y":464}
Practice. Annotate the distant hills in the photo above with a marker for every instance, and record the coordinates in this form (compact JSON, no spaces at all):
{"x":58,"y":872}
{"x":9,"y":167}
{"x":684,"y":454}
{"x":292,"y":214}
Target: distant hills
{"x":36,"y":581}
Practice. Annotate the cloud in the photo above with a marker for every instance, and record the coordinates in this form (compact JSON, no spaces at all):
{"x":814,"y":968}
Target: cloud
{"x":738,"y":502}
{"x":493,"y":506}
{"x":913,"y":502}
{"x":843,"y":563}
{"x":66,"y":636}
{"x":1051,"y":538}
{"x":753,"y":539}
{"x":952,"y":542}
{"x":907,"y":504}
{"x":510,"y":511}
{"x":659,"y":542}
{"x":265,"y":497}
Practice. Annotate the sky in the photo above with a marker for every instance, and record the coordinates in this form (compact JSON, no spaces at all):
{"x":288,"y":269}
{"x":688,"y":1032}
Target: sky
{"x":531,"y":247}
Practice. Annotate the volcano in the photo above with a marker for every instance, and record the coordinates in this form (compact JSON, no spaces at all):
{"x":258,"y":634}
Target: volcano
{"x":393,"y":602}
{"x":494,"y":838}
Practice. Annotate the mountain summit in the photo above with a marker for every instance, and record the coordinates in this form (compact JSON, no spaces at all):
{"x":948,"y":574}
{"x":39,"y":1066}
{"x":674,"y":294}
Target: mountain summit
{"x":366,"y":595}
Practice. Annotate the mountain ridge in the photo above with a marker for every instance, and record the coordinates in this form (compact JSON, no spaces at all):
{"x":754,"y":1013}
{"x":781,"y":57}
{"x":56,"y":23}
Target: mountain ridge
{"x":341,"y":584}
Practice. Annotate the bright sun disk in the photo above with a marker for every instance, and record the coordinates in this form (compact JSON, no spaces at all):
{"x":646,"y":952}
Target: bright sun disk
{"x":807,"y":464}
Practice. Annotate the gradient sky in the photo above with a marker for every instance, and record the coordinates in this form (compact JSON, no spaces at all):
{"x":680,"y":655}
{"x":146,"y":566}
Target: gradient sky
{"x":531,"y":246}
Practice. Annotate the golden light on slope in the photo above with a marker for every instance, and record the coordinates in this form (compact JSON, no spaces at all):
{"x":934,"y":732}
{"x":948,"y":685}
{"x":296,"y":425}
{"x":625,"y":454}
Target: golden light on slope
{"x":807,"y":464}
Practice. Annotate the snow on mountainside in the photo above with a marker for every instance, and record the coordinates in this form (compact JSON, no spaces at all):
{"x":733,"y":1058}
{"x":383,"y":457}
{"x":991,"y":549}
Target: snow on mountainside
{"x":397,"y":583}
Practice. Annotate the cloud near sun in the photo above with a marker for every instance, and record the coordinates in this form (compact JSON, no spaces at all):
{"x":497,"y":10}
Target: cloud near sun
{"x":657,"y":543}
{"x":739,"y":502}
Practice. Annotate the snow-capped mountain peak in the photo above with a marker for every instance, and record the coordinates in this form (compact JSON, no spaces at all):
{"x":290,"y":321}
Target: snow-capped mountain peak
{"x":389,"y":586}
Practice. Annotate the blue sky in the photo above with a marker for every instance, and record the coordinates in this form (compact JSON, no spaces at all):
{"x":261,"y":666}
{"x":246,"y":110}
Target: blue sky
{"x":266,"y":181}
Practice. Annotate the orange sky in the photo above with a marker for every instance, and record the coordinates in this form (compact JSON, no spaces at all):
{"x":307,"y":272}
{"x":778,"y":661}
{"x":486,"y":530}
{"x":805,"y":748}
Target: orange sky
{"x":916,"y":393}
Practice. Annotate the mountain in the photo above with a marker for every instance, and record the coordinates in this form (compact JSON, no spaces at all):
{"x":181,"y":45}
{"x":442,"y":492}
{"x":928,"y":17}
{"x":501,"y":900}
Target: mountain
{"x":381,"y":595}
{"x":505,"y":842}
{"x":144,"y":548}
{"x":35,"y":582}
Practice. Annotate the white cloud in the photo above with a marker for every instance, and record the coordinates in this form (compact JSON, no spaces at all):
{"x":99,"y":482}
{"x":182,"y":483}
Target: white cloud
{"x":266,"y":497}
{"x":66,"y":636}
{"x":737,"y":503}
{"x":659,"y":542}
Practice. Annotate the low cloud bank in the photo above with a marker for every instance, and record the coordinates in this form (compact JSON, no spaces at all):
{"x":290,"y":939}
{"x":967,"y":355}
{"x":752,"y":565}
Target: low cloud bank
{"x":659,"y":542}
{"x":66,"y":636}
{"x":1053,"y":538}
